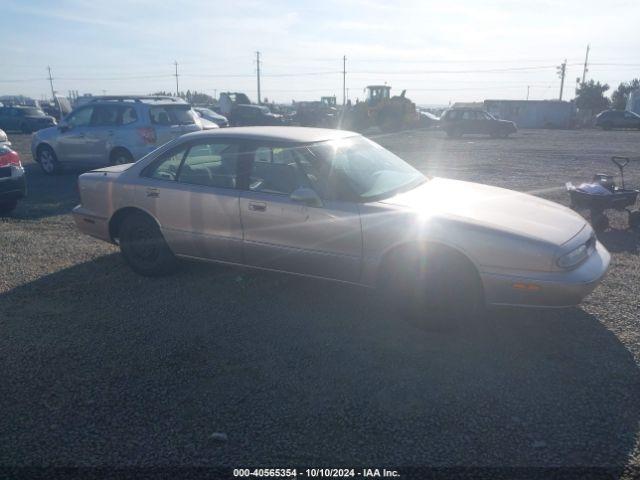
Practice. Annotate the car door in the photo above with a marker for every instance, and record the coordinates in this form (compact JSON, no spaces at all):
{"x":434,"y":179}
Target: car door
{"x":71,"y":143}
{"x":280,"y":233}
{"x":100,"y":132}
{"x":191,"y":191}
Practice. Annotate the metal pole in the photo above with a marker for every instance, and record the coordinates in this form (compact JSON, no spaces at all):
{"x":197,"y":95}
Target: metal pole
{"x":527,"y":92}
{"x":53,"y":92}
{"x":586,"y":62}
{"x":344,"y":80}
{"x":562,"y":71}
{"x":176,"y":75}
{"x":258,"y":75}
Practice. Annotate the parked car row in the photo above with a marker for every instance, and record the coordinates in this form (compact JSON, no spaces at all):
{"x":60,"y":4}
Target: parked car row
{"x":12,"y":179}
{"x":610,"y":119}
{"x":24,"y":119}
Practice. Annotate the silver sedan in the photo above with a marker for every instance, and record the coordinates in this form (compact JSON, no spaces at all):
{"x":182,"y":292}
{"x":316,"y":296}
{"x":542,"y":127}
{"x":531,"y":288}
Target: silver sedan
{"x":335,"y":205}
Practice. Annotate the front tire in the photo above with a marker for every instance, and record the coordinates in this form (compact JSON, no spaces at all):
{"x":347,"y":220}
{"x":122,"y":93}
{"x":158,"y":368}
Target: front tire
{"x":48,"y":160}
{"x":436,"y":286}
{"x":143,"y":247}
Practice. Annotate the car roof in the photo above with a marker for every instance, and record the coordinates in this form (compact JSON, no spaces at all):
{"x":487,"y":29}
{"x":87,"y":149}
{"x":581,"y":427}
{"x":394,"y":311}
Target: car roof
{"x":284,"y":134}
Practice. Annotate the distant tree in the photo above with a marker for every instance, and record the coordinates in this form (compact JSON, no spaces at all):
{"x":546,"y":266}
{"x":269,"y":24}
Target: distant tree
{"x":590,"y":96}
{"x":620,"y":96}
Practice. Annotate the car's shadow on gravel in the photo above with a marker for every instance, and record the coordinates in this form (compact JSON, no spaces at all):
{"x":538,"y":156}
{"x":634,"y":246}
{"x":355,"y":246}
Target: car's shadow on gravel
{"x":100,"y":366}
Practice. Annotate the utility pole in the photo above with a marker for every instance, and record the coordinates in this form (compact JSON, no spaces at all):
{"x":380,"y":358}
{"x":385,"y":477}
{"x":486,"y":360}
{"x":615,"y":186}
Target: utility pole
{"x":562,"y":70}
{"x":344,"y":80}
{"x":175,"y":62}
{"x":53,"y":92}
{"x":258,"y":75}
{"x":586,"y":63}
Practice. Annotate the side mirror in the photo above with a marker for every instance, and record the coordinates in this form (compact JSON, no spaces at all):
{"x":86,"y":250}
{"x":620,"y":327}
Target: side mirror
{"x":307,"y":196}
{"x":64,"y":126}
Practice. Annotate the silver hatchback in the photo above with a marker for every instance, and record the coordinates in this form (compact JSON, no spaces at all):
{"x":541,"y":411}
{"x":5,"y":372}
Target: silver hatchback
{"x":113,"y":130}
{"x":335,"y":205}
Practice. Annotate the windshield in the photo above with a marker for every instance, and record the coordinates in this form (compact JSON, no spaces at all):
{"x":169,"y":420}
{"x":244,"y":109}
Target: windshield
{"x":370,"y":171}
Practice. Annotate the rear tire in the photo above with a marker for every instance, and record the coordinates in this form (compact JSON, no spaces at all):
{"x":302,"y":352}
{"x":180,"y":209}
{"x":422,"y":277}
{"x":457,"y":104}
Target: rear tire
{"x":438,"y":287}
{"x":47,"y":159}
{"x":143,"y":247}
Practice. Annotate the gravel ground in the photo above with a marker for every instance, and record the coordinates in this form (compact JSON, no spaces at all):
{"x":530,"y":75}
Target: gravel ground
{"x":102,"y":367}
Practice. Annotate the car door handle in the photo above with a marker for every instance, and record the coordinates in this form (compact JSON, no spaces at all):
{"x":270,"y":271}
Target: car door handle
{"x":153,"y":192}
{"x":257,"y":206}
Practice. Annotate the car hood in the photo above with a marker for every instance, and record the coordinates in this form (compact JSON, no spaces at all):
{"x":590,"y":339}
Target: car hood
{"x":494,"y":208}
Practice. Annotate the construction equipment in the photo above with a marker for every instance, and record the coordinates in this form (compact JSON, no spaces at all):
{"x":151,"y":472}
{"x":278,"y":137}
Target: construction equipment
{"x":323,"y":113}
{"x":381,"y":110}
{"x":229,"y":100}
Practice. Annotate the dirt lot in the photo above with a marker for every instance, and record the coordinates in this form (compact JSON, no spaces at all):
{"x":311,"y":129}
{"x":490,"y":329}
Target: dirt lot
{"x":102,"y":367}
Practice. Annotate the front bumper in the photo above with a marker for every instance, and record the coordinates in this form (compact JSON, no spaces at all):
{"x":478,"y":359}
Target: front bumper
{"x":548,"y":289}
{"x":91,"y":224}
{"x":13,"y":185}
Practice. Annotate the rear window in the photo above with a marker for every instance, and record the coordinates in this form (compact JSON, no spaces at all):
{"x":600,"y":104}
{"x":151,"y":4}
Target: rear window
{"x":172,"y":115}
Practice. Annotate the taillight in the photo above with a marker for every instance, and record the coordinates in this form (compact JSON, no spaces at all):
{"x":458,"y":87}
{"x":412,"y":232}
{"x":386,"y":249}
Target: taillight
{"x":148,"y":135}
{"x":9,"y":158}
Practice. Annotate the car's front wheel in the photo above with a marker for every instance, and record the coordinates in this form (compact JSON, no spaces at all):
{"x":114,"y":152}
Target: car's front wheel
{"x":47,"y":159}
{"x":143,"y":247}
{"x":436,"y":286}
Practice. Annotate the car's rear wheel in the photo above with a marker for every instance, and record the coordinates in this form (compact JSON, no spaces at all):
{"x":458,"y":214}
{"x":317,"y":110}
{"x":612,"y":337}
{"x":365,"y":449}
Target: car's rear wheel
{"x":121,"y":157}
{"x":436,"y":286}
{"x":143,"y":247}
{"x":47,"y":159}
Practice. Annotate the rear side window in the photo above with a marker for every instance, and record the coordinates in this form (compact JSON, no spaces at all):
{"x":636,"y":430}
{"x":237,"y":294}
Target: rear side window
{"x":129,"y":115}
{"x":104,"y":116}
{"x":171,"y":115}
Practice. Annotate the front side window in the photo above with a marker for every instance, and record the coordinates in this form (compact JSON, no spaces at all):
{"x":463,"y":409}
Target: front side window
{"x":211,"y":164}
{"x":80,"y":118}
{"x":275,"y":170}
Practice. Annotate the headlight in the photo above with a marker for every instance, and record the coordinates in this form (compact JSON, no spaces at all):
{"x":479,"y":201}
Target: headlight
{"x":574,"y":257}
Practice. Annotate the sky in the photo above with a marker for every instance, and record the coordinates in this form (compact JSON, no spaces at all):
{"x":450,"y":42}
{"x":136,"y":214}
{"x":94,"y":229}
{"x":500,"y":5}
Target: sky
{"x":439,"y":51}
